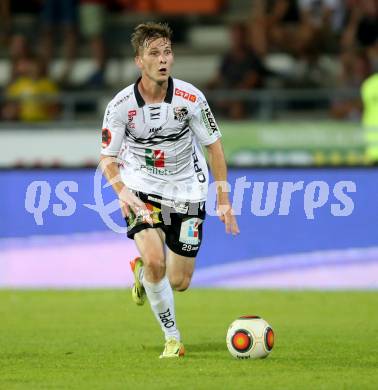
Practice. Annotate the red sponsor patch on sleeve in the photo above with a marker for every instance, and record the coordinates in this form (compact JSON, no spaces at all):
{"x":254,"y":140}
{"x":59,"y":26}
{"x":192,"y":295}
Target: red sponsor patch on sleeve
{"x":185,"y":95}
{"x":106,"y":137}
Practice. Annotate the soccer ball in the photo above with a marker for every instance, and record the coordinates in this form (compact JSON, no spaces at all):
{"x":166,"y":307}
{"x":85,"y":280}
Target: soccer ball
{"x":250,"y":337}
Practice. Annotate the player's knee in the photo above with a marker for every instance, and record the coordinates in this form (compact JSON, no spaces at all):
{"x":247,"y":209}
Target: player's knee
{"x":183,"y":286}
{"x":175,"y":281}
{"x":154,"y":265}
{"x":180,"y":283}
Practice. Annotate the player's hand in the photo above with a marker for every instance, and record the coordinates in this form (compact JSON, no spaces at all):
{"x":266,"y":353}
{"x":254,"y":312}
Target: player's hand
{"x":128,"y":201}
{"x":227,"y":216}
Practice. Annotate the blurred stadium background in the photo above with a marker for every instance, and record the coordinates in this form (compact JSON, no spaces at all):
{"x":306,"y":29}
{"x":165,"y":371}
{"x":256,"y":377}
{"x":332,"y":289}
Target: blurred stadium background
{"x":293,"y":85}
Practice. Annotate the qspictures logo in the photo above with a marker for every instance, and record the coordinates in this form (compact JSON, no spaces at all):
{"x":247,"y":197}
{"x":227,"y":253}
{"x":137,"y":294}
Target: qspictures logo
{"x":260,"y":199}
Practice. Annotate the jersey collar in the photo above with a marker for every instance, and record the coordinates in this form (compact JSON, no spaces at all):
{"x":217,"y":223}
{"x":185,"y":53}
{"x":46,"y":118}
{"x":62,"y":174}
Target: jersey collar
{"x":168,"y":96}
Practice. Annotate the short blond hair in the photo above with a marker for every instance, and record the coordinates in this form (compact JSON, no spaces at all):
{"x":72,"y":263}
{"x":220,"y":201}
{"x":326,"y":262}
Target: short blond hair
{"x":145,"y":32}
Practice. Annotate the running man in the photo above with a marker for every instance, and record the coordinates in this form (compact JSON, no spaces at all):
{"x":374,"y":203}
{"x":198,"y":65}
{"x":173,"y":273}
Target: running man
{"x":157,"y":127}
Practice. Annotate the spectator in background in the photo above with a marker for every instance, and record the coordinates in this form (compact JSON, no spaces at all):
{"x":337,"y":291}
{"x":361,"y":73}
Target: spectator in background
{"x":359,"y":54}
{"x":137,"y":6}
{"x":274,"y":26}
{"x":92,"y":26}
{"x":321,"y":23}
{"x":32,"y":95}
{"x":240,"y":69}
{"x":362,"y":27}
{"x":298,"y":27}
{"x":303,"y":29}
{"x":354,"y":71}
{"x":19,"y":53}
{"x":5,"y":18}
{"x":59,"y":15}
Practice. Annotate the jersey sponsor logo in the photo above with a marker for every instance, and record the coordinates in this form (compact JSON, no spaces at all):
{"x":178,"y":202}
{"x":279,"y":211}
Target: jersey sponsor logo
{"x":122,"y":100}
{"x":155,"y":162}
{"x":130,"y":117}
{"x":155,"y":129}
{"x":180,"y":113}
{"x":166,"y":319}
{"x":197,"y":169}
{"x":106,"y":137}
{"x":154,"y":112}
{"x":185,"y":95}
{"x":155,"y":158}
{"x":131,"y":114}
{"x":189,"y":233}
{"x":208,"y":120}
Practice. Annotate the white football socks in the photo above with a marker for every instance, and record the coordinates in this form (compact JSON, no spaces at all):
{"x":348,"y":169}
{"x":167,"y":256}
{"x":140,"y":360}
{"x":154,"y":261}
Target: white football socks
{"x":162,"y":304}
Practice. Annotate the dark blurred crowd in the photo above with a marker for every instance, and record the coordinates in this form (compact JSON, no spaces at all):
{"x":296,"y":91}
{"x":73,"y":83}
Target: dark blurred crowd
{"x":307,"y":31}
{"x":31,"y":93}
{"x":304,"y":30}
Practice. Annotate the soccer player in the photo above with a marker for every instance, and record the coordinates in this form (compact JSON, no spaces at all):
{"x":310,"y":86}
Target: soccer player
{"x":158,"y":127}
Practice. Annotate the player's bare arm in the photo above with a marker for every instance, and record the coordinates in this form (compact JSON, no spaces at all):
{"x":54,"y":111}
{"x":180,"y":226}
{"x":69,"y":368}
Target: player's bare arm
{"x":218,"y":168}
{"x":127,"y":199}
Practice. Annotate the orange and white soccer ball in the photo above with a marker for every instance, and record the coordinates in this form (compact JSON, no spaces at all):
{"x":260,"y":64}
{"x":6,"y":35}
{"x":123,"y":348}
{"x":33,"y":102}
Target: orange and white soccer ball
{"x":250,"y":337}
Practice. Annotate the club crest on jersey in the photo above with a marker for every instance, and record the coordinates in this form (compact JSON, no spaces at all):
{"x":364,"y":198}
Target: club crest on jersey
{"x":180,"y":113}
{"x":189,"y":233}
{"x":106,"y":137}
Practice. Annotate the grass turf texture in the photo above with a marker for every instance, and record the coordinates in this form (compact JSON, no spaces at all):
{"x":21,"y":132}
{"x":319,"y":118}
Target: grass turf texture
{"x":101,"y":340}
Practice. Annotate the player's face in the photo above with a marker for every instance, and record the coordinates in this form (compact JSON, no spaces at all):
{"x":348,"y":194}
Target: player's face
{"x":156,"y":59}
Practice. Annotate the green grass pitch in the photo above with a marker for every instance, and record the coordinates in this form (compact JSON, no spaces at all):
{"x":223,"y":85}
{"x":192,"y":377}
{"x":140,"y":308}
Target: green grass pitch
{"x":100,"y":340}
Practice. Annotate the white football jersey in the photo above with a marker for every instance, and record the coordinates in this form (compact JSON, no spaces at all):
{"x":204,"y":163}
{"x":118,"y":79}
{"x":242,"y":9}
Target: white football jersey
{"x":160,"y":144}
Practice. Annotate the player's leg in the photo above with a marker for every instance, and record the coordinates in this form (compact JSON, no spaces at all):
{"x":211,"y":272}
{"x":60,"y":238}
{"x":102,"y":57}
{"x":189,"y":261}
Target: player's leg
{"x":183,"y":238}
{"x":149,"y":245}
{"x":179,"y":270}
{"x":158,"y":289}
